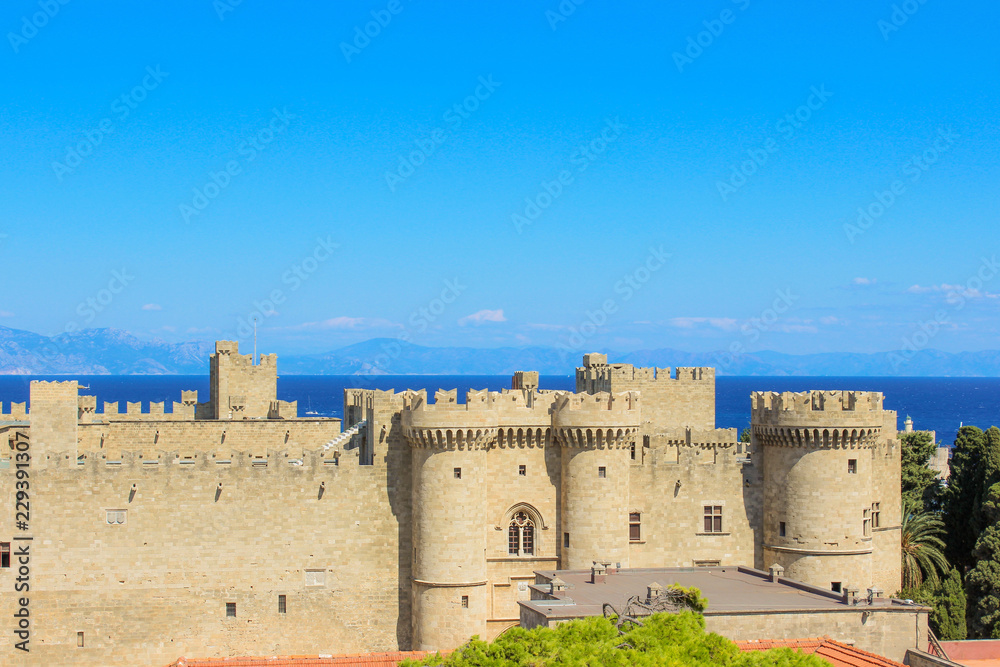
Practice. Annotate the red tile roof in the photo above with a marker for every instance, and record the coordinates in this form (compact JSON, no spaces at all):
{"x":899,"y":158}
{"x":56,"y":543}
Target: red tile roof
{"x":834,"y":652}
{"x":356,"y":659}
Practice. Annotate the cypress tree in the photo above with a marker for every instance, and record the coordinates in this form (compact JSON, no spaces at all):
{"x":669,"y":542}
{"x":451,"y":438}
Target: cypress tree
{"x":919,"y":482}
{"x":984,"y":580}
{"x":948,"y":617}
{"x":963,"y":497}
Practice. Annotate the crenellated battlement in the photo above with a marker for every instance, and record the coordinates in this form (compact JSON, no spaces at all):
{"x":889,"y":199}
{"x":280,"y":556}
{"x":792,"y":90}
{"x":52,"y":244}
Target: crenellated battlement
{"x":691,"y":437}
{"x":817,"y":408}
{"x":603,"y":420}
{"x":17,"y":411}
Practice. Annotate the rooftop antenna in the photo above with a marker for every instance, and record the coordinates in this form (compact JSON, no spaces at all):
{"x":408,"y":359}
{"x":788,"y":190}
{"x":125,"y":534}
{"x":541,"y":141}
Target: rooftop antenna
{"x":254,"y":360}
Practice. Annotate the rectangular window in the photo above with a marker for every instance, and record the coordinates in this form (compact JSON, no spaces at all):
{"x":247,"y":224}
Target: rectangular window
{"x":522,"y":471}
{"x":4,"y":554}
{"x":231,"y":610}
{"x":602,"y":471}
{"x":634,"y":527}
{"x":79,"y":639}
{"x":781,"y":529}
{"x":465,"y":601}
{"x":852,"y":466}
{"x":866,"y":523}
{"x":566,"y":540}
{"x":281,"y":604}
{"x":713,"y":518}
{"x":835,"y":586}
{"x":458,"y":473}
{"x":876,"y":511}
{"x":632,"y":450}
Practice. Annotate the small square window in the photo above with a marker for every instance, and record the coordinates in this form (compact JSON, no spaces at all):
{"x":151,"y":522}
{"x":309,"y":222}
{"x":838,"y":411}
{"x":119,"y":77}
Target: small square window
{"x":781,"y":529}
{"x":602,"y":471}
{"x":835,"y":586}
{"x":231,"y":610}
{"x":566,"y":540}
{"x":4,"y":554}
{"x":458,"y":473}
{"x":465,"y":601}
{"x":852,"y":466}
{"x":281,"y":604}
{"x":522,"y":471}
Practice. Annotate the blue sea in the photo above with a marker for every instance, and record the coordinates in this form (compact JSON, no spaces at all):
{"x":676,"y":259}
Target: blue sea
{"x":937,"y":404}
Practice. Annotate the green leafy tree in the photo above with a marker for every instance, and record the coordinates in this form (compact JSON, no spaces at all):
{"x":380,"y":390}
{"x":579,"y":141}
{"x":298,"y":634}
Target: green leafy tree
{"x":947,"y":602}
{"x":745,"y":435}
{"x":664,"y":639}
{"x":983,"y":581}
{"x":921,"y":547}
{"x":919,"y":483}
{"x":963,"y":497}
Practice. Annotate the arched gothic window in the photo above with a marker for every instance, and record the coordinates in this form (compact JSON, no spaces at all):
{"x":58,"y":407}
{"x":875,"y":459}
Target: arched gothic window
{"x":521,"y":535}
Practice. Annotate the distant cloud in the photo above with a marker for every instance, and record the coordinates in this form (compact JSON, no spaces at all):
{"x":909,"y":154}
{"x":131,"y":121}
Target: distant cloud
{"x":546,"y":327}
{"x":723,"y":323}
{"x":953,"y":292}
{"x":865,"y":281}
{"x":152,"y":306}
{"x":482,"y":317}
{"x":344,"y":323}
{"x":829,"y":319}
{"x":6,"y":313}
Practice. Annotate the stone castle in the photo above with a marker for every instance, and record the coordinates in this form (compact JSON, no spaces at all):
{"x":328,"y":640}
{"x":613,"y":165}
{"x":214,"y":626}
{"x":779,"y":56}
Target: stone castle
{"x":235,"y":527}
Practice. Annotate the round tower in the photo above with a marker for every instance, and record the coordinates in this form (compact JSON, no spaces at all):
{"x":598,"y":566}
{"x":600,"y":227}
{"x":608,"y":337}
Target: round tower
{"x":448,"y":446}
{"x":817,"y":450}
{"x":595,"y":433}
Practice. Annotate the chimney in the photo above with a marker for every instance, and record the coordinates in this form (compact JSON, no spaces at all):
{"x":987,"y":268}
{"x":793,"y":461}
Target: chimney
{"x":558,"y":585}
{"x":776,"y":572}
{"x":598,"y":573}
{"x":850,"y":594}
{"x":653,"y":591}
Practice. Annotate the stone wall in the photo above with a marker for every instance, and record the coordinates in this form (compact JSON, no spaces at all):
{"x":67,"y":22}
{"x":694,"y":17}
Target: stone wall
{"x":185,"y":539}
{"x":888,"y":631}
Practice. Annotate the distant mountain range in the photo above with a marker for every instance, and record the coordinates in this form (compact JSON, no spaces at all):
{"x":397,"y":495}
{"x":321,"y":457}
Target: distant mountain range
{"x":116,"y":352}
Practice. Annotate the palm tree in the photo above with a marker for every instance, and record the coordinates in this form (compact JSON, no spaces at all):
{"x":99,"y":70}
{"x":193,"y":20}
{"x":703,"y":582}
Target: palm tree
{"x":920,"y":546}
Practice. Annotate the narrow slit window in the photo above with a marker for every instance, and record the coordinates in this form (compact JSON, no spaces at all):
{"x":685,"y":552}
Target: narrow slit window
{"x":282,"y":608}
{"x":566,"y":540}
{"x":781,"y":529}
{"x":230,"y":610}
{"x":465,"y":601}
{"x":602,"y":471}
{"x":79,"y":639}
{"x":634,"y":527}
{"x":4,"y":554}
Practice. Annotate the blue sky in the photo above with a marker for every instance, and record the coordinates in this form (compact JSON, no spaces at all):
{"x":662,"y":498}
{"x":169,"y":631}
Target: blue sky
{"x":808,"y":178}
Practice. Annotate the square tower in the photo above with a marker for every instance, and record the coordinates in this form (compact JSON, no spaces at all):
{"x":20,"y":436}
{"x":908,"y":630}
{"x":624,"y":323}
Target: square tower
{"x":241,"y":389}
